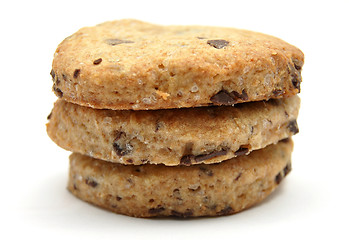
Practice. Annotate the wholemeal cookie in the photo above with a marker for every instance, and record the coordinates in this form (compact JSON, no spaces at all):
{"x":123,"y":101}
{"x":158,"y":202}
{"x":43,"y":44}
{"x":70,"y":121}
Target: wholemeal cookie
{"x":130,"y":64}
{"x":173,"y":136}
{"x":201,"y":190}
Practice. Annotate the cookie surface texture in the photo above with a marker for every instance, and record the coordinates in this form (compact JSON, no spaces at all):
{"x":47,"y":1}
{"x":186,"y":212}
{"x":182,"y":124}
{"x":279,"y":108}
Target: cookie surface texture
{"x":173,"y":136}
{"x":128,"y":64}
{"x":201,"y":190}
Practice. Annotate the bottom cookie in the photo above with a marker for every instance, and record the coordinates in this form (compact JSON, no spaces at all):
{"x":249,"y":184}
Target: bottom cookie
{"x":201,"y":190}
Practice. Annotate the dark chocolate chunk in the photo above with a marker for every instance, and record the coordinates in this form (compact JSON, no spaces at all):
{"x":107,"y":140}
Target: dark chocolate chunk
{"x":218,"y":43}
{"x":297,"y":64}
{"x":295,"y":77}
{"x":187,"y":213}
{"x":287,"y":169}
{"x":293,"y":127}
{"x":203,"y":157}
{"x":278,"y":92}
{"x":222,"y":98}
{"x":187,"y":159}
{"x":91,"y":182}
{"x":58,"y":91}
{"x":129,"y":161}
{"x":52,"y":73}
{"x":158,"y":125}
{"x":76,"y":73}
{"x":97,"y":61}
{"x":226,"y":211}
{"x":118,"y":198}
{"x":208,"y":172}
{"x":296,"y":82}
{"x":238,"y":176}
{"x":57,"y":81}
{"x":156,"y":210}
{"x":49,"y":116}
{"x":75,"y":187}
{"x":285,"y":140}
{"x":237,"y":96}
{"x":241,"y":151}
{"x":278,"y":178}
{"x":119,"y":148}
{"x":116,"y":41}
{"x":151,"y":200}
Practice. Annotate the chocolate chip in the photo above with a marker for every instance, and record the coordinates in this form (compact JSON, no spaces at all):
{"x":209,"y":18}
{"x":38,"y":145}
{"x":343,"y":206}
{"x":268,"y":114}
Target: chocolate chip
{"x":49,"y":116}
{"x":287,"y":169}
{"x":122,"y":149}
{"x":278,"y":178}
{"x":76,"y":73}
{"x":97,"y":61}
{"x":285,"y":140}
{"x":187,"y":159}
{"x":236,"y":96}
{"x":118,"y":198}
{"x":64,"y":77}
{"x":57,"y":81}
{"x":116,"y":41}
{"x":222,"y":98}
{"x":156,"y":210}
{"x":158,"y":125}
{"x":241,"y":151}
{"x":208,"y":172}
{"x":295,"y":76}
{"x":58,"y":91}
{"x":293,"y":126}
{"x":187,"y":213}
{"x":151,"y":200}
{"x":203,"y":157}
{"x":91,"y":182}
{"x":296,"y":82}
{"x":297,"y":64}
{"x":75,"y":187}
{"x":52,"y":73}
{"x":278,"y":92}
{"x":226,"y":211}
{"x":144,"y":161}
{"x":218,"y":43}
{"x":238,"y":176}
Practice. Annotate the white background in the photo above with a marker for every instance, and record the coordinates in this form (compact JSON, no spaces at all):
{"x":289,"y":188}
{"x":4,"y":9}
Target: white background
{"x":311,"y":203}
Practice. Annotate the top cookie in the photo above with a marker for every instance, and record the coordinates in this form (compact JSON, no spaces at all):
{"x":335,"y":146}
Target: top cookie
{"x":129,"y":64}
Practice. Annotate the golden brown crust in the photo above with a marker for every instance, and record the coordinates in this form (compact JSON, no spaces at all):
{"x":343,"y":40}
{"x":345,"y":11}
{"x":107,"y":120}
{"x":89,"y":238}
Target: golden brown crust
{"x":129,"y":64}
{"x":172,"y":137}
{"x":201,"y":190}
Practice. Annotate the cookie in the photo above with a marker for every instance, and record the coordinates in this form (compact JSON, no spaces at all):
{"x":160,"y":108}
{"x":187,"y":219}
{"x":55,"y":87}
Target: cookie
{"x":186,"y":136}
{"x":129,"y":64}
{"x":200,"y":190}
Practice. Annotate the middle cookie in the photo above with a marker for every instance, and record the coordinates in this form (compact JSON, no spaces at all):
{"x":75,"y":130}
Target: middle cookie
{"x":173,"y":137}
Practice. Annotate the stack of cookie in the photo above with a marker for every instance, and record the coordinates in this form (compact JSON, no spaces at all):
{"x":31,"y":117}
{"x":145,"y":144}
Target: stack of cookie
{"x":175,"y":120}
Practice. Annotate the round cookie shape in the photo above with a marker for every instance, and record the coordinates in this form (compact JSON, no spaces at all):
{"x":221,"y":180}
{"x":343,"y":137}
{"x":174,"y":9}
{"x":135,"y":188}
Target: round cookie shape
{"x":201,"y":190}
{"x":172,"y":137}
{"x":129,"y":64}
